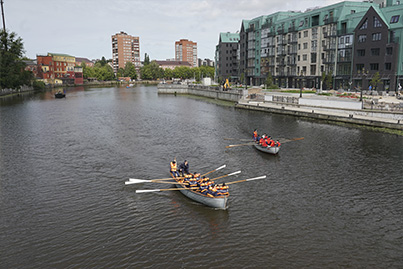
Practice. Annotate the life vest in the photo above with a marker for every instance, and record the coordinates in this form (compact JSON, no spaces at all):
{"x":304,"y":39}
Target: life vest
{"x":255,"y":134}
{"x":271,"y":143}
{"x":261,"y":141}
{"x":278,"y":144}
{"x":173,"y":166}
{"x":264,"y":144}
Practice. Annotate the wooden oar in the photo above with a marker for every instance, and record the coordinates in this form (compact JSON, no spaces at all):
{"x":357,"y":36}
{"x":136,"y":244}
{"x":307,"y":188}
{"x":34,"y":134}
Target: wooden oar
{"x":136,"y":181}
{"x":221,"y":167}
{"x":289,"y":140}
{"x":240,"y":139}
{"x":243,"y":180}
{"x":227,"y":175}
{"x":238,"y":145}
{"x":171,"y":189}
{"x":153,"y":180}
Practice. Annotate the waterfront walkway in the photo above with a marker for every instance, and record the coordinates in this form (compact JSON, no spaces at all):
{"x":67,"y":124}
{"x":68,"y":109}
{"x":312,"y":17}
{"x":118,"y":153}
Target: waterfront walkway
{"x":384,"y":112}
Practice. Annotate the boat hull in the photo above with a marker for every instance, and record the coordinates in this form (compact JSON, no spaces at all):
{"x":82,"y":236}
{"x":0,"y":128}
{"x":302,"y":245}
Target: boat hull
{"x":271,"y":150}
{"x":220,"y":202}
{"x":60,"y":95}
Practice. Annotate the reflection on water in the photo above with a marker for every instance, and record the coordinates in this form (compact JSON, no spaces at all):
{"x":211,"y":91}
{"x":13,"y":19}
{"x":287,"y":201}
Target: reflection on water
{"x":333,"y":199}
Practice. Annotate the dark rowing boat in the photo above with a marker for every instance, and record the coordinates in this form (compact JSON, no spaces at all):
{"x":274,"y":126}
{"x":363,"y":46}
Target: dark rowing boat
{"x":60,"y":95}
{"x":219,"y":202}
{"x":270,"y":150}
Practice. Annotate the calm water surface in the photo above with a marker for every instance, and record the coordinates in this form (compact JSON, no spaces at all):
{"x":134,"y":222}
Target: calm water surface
{"x":332,"y":200}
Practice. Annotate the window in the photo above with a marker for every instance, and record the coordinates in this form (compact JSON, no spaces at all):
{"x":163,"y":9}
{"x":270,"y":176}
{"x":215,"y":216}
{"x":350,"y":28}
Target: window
{"x":313,"y":58}
{"x":362,"y":38}
{"x":374,"y":66}
{"x":305,"y":45}
{"x":361,"y":52}
{"x":305,"y":33}
{"x":313,"y":70}
{"x":375,"y":52}
{"x":388,"y":66}
{"x":304,"y":57}
{"x":389,"y":51}
{"x":360,"y":67}
{"x":364,"y":25}
{"x":395,"y":19}
{"x":376,"y":37}
{"x":347,"y":39}
{"x":377,"y":23}
{"x":341,"y":40}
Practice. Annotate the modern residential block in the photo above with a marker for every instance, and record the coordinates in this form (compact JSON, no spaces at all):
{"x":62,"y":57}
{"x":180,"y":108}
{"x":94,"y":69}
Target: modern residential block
{"x":186,"y":50}
{"x":125,"y":48}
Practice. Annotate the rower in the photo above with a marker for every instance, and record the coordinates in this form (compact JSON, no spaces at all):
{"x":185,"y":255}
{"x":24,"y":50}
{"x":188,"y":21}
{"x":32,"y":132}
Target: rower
{"x":278,"y":144}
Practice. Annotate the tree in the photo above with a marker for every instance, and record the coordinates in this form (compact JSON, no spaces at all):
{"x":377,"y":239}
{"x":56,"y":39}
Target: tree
{"x":120,"y":73}
{"x":376,"y":79}
{"x":103,"y":61}
{"x":151,"y":71}
{"x":269,"y":81}
{"x":130,"y":70}
{"x":146,"y":59}
{"x":12,"y":72}
{"x":327,"y":80}
{"x":168,"y":73}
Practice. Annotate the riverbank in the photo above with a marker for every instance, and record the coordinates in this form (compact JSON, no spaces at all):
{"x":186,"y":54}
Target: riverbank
{"x":27,"y":89}
{"x":373,"y":111}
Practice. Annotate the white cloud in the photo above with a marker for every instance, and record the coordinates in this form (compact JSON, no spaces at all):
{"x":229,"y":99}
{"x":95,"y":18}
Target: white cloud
{"x":84,"y":27}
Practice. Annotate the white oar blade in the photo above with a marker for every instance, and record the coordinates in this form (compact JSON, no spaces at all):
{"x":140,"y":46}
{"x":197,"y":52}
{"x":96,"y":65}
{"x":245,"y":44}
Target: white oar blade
{"x":221,"y":167}
{"x":237,"y":172}
{"x":135,"y":181}
{"x":254,"y":178}
{"x":142,"y":191}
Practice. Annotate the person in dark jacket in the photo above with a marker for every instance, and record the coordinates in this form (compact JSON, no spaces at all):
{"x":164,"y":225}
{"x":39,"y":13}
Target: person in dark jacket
{"x":184,"y":168}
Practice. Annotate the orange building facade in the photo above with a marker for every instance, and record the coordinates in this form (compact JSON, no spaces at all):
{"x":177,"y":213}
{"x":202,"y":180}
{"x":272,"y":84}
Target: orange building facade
{"x":186,"y":50}
{"x":125,"y":48}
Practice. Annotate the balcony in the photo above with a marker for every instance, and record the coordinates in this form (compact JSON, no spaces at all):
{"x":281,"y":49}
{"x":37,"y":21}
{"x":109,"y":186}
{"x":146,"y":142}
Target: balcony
{"x":329,"y":20}
{"x":292,"y":29}
{"x":330,"y":47}
{"x":346,"y":59}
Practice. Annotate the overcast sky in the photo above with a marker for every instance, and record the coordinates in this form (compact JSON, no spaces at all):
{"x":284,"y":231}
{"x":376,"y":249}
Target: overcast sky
{"x":83,"y":28}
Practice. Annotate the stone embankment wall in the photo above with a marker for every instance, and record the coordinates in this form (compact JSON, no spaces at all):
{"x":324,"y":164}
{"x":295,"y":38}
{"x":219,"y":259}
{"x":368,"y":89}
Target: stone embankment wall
{"x":13,"y":91}
{"x":204,"y":91}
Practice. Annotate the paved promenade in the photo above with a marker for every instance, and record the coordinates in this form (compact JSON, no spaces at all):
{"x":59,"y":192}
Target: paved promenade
{"x":331,"y":108}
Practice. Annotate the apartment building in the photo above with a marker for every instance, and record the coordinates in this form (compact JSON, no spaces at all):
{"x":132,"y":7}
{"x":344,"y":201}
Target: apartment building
{"x":298,"y":48}
{"x":56,"y":68}
{"x":125,"y":48}
{"x":186,"y":50}
{"x":226,"y":57}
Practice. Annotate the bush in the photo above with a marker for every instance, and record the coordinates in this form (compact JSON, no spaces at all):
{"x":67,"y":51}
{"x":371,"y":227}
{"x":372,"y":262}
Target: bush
{"x":38,"y":85}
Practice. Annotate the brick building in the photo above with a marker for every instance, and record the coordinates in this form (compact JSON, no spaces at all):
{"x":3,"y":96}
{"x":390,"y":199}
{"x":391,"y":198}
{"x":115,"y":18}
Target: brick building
{"x":186,"y":50}
{"x":55,"y":68}
{"x":125,"y":48}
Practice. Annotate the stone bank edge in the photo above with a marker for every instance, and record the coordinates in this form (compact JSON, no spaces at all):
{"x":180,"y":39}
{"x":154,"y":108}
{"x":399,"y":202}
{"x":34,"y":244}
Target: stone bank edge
{"x":372,"y":118}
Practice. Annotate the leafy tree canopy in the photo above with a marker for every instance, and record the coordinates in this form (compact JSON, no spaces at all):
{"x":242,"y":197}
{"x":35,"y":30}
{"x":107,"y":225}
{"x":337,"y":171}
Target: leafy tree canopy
{"x":12,"y":73}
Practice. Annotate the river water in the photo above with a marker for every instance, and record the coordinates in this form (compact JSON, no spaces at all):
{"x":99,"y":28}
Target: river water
{"x":331,"y":200}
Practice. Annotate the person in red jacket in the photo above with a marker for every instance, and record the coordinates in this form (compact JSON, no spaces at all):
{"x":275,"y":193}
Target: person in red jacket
{"x":255,"y":135}
{"x":278,"y":144}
